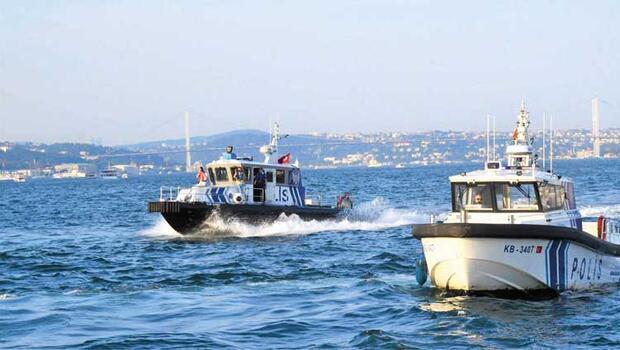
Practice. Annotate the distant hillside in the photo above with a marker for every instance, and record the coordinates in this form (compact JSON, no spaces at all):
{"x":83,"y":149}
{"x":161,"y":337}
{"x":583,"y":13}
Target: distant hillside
{"x":244,"y":137}
{"x":246,"y":142}
{"x":33,"y":156}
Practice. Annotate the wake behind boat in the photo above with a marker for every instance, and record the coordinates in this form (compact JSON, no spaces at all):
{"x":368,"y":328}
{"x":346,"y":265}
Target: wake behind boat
{"x":516,"y":228}
{"x":240,"y":188}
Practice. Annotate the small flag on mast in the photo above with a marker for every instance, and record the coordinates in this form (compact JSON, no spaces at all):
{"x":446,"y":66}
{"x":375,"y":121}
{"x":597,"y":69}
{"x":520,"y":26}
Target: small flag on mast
{"x":285,"y":158}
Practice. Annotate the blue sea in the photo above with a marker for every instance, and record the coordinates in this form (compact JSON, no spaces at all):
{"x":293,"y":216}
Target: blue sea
{"x":83,"y":265}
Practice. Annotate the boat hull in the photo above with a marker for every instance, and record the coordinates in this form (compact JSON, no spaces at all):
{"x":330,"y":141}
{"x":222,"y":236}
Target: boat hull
{"x":188,"y":217}
{"x":488,"y":258}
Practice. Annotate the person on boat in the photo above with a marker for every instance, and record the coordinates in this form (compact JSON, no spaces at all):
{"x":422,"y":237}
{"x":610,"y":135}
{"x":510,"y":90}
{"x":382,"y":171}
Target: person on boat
{"x":229,"y":154}
{"x":345,"y":201}
{"x":201,"y":176}
{"x":478,"y":199}
{"x":239,"y":174}
{"x":259,"y":186}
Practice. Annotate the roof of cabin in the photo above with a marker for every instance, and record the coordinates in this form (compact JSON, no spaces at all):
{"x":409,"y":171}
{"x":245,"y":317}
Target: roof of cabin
{"x":509,"y":175}
{"x":248,"y":163}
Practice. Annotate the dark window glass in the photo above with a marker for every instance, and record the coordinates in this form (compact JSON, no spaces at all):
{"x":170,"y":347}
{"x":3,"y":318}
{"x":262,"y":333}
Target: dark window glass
{"x":458,"y":193}
{"x":221,"y":174}
{"x":270,"y":176}
{"x":211,"y":176}
{"x":280,"y":176}
{"x":247,"y":172}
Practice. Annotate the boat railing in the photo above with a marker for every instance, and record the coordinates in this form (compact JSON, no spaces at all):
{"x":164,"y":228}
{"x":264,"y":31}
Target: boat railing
{"x":315,"y":200}
{"x":168,"y":193}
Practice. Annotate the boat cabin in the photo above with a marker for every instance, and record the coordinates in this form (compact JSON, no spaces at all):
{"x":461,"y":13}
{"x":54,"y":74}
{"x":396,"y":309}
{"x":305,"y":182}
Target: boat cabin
{"x":517,"y":191}
{"x":241,"y":180}
{"x":248,"y":182}
{"x":508,"y":192}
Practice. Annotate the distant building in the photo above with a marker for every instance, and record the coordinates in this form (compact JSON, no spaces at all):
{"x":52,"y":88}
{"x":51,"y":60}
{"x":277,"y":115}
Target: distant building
{"x":70,"y":170}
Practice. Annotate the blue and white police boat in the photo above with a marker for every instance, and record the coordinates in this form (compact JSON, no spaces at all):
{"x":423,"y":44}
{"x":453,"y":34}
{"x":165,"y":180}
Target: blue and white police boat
{"x":250,"y":191}
{"x":515,"y":229}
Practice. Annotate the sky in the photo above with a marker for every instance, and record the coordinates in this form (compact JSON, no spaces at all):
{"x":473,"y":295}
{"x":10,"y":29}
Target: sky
{"x":125,"y":71}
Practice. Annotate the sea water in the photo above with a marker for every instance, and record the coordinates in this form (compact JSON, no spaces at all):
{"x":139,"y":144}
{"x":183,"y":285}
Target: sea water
{"x":83,"y":265}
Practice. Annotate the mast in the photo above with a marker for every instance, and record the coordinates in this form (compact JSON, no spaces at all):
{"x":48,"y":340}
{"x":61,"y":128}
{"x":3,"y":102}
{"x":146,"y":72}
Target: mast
{"x":494,"y":133}
{"x":188,"y":154}
{"x":596,"y":141}
{"x":519,"y":154}
{"x":272,"y":147}
{"x":488,"y":147}
{"x":523,"y":123}
{"x":544,"y":136}
{"x":551,"y":143}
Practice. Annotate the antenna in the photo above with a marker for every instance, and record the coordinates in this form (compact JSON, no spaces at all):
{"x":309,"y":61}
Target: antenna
{"x":488,"y":146}
{"x":596,"y":140}
{"x":188,"y":153}
{"x":551,"y":143}
{"x":494,"y":133}
{"x":544,"y":146}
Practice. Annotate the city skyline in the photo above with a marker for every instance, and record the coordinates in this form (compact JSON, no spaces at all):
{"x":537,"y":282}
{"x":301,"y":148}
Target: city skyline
{"x":125,"y":72}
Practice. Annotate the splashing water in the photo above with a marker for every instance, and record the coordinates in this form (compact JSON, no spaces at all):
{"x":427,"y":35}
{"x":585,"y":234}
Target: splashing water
{"x":609,"y":211}
{"x":368,"y":216}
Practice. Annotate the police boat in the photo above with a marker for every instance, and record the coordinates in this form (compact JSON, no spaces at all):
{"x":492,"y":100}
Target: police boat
{"x":515,"y":229}
{"x":241,"y":188}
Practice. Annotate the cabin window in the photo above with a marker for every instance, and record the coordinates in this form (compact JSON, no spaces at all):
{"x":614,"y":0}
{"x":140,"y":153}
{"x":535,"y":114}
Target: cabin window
{"x":294,"y":177}
{"x":570,"y":195}
{"x":255,"y":172}
{"x":458,"y":193}
{"x":472,"y":197}
{"x":280,"y":177}
{"x":552,"y":197}
{"x":211,"y":176}
{"x":269,"y":176}
{"x":221,"y":174}
{"x":518,"y":197}
{"x":239,"y":174}
{"x":248,"y":172}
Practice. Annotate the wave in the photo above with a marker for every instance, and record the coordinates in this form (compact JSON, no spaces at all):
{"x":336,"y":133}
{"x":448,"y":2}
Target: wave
{"x":610,"y":211}
{"x":368,"y":216}
{"x":161,"y":230}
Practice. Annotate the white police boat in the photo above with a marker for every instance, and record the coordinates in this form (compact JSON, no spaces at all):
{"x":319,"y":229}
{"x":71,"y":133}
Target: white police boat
{"x":243,"y":189}
{"x":515,"y":229}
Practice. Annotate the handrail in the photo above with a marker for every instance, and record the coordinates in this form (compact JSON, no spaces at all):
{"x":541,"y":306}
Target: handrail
{"x":261,"y":193}
{"x":171,"y":191}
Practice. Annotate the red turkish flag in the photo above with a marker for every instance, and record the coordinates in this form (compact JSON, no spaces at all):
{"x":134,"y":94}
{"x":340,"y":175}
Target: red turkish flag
{"x":285,"y":158}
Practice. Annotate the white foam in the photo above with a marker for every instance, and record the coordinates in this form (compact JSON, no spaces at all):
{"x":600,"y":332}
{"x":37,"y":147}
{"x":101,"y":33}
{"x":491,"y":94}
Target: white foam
{"x":610,"y":211}
{"x":161,"y":230}
{"x":368,"y":216}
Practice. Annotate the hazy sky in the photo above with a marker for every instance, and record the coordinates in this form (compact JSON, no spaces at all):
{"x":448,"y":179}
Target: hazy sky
{"x":125,"y":71}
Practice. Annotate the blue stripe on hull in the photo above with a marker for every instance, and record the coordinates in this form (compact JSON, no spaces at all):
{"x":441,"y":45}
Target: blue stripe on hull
{"x":555,"y":267}
{"x":295,"y":200}
{"x":553,"y":264}
{"x":562,"y":264}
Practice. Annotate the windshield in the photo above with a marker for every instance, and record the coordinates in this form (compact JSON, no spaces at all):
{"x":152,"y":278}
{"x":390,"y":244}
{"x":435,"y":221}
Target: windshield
{"x":494,"y":197}
{"x":520,"y":197}
{"x":472,"y":197}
